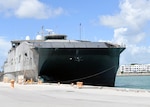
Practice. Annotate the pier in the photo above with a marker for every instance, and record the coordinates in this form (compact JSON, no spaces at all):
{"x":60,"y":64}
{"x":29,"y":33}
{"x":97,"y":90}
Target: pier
{"x":62,"y":95}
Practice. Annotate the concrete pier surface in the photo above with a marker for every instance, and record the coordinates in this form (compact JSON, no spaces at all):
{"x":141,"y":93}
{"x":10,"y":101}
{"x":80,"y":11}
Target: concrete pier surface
{"x":61,"y":95}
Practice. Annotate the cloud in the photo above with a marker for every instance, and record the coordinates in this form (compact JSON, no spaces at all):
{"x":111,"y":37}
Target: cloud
{"x":133,"y":14}
{"x":129,"y":28}
{"x":136,"y":54}
{"x":29,"y":9}
{"x":119,"y":35}
{"x":7,"y":7}
{"x":4,"y":47}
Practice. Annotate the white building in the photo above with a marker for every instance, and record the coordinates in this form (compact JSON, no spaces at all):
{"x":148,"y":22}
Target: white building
{"x":135,"y":68}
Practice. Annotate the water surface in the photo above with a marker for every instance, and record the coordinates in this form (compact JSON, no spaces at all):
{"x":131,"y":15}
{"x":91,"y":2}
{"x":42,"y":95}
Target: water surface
{"x":138,"y":82}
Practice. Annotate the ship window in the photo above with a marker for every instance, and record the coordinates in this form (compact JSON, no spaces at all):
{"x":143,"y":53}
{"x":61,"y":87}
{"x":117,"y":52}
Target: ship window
{"x":26,"y":54}
{"x":11,"y":61}
{"x":19,"y":58}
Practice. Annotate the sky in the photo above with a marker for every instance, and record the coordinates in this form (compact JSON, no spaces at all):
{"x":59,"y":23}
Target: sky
{"x":118,"y":21}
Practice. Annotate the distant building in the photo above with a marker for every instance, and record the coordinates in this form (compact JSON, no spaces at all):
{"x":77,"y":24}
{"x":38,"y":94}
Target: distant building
{"x":135,"y":68}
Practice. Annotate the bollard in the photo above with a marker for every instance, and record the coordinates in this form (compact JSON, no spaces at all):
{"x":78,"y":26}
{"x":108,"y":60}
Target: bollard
{"x":31,"y":81}
{"x":58,"y":83}
{"x":72,"y":84}
{"x":79,"y":84}
{"x":12,"y":83}
{"x":40,"y":81}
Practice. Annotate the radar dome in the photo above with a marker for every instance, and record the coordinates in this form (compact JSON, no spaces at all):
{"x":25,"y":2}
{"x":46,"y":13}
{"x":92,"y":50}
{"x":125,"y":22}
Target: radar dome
{"x":27,"y":38}
{"x":38,"y":37}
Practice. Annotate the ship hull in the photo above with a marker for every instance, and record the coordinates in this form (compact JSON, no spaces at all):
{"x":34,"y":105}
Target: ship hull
{"x":91,"y":66}
{"x":65,"y":61}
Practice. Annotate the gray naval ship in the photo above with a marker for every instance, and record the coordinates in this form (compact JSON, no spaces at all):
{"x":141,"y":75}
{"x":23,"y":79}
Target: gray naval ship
{"x":55,"y":59}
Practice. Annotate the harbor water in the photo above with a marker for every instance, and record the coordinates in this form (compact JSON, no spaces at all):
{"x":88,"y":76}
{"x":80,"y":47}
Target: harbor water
{"x":136,"y":82}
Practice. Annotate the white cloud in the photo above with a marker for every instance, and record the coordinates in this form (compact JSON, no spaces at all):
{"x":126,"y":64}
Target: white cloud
{"x":133,"y":14}
{"x":29,"y":9}
{"x":128,"y":27}
{"x":7,"y":7}
{"x":136,"y":54}
{"x":118,"y":35}
{"x":4,"y":47}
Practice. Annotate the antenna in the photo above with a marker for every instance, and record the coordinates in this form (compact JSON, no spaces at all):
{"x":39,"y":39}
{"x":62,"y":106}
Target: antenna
{"x":80,"y":30}
{"x":50,"y":31}
{"x":42,"y":31}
